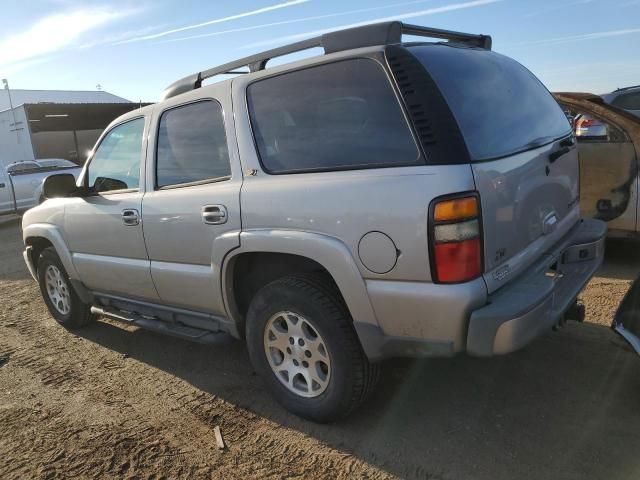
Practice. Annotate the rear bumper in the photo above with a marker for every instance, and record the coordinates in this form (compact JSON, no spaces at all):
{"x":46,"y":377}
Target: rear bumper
{"x":530,"y":305}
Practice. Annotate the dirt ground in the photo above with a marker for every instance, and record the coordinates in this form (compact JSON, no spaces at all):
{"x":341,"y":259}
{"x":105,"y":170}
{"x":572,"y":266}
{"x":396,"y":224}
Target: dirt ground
{"x":112,"y":402}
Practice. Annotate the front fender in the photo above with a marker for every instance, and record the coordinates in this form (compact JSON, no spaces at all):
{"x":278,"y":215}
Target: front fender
{"x":328,"y":251}
{"x":53,"y":234}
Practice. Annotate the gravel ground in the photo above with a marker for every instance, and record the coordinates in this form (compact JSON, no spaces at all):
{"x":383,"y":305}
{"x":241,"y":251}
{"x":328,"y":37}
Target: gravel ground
{"x":114,"y":402}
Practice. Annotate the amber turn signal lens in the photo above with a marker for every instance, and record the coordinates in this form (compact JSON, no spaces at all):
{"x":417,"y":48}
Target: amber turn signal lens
{"x":456,"y":209}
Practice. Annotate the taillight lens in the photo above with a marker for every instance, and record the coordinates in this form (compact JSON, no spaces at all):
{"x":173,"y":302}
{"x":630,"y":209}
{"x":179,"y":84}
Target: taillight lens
{"x":456,"y":242}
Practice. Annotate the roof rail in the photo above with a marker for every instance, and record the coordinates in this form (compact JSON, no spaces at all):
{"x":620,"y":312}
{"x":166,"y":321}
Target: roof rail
{"x":365,"y":36}
{"x":621,"y":89}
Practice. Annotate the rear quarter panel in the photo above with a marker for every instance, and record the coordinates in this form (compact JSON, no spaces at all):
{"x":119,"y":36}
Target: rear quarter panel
{"x":348,"y":204}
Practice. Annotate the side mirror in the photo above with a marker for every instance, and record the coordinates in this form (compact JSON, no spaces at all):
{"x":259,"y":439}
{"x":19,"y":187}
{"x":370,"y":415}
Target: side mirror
{"x":59,"y":185}
{"x":106,"y":184}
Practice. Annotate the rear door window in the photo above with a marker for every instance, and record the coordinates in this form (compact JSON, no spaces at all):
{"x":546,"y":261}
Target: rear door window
{"x":337,"y":116}
{"x":500,"y":106}
{"x":192,"y":145}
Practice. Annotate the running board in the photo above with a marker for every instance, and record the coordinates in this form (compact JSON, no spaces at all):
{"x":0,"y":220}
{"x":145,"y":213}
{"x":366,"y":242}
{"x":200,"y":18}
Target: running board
{"x":153,"y":324}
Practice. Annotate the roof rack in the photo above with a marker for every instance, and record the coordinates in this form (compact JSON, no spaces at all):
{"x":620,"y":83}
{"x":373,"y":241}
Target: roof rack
{"x":365,"y":36}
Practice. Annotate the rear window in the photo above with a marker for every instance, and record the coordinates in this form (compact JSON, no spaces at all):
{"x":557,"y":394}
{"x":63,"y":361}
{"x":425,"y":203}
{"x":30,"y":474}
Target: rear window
{"x":628,"y":101}
{"x":335,"y":116}
{"x":500,"y":106}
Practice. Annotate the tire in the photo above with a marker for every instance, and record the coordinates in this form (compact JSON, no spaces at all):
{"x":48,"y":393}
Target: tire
{"x":292,"y":309}
{"x":58,"y":294}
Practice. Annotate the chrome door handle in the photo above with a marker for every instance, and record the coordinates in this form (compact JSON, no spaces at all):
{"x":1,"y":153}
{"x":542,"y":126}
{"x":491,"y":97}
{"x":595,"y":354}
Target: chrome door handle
{"x":214,"y":214}
{"x":130,"y":217}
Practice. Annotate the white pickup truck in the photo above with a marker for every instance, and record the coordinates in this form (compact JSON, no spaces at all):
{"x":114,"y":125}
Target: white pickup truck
{"x":21,"y":182}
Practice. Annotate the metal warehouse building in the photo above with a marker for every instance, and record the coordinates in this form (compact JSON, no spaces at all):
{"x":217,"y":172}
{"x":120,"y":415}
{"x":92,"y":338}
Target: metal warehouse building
{"x":37,"y":124}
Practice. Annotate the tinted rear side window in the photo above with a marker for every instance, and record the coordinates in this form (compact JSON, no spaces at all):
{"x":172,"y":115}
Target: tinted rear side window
{"x":500,"y":106}
{"x":192,"y":145}
{"x":336,"y":116}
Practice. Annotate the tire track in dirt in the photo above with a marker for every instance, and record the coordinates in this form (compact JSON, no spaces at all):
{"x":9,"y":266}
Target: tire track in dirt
{"x":120,"y":424}
{"x":257,"y":447}
{"x":60,"y":449}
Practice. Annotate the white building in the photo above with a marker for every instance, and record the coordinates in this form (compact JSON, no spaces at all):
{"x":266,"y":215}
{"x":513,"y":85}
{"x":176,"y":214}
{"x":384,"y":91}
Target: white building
{"x":55,"y":123}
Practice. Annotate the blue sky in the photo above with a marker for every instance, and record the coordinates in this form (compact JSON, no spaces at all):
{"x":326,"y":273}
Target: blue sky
{"x":136,"y":48}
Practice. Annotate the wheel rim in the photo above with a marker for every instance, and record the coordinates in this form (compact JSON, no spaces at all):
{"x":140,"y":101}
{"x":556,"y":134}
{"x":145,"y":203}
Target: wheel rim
{"x":57,"y":289}
{"x":297,"y":354}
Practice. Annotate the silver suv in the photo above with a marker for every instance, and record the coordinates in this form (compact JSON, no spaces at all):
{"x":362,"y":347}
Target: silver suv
{"x":385,"y":199}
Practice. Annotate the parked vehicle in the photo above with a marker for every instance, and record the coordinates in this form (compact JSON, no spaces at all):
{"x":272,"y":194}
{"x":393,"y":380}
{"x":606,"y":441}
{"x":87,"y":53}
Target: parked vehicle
{"x":627,"y":98}
{"x":55,"y":163}
{"x":21,"y":182}
{"x":333,"y":212}
{"x":587,"y":126}
{"x":608,"y":151}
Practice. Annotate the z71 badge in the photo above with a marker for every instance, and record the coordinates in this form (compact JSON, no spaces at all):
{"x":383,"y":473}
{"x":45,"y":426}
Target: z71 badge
{"x":502,"y":273}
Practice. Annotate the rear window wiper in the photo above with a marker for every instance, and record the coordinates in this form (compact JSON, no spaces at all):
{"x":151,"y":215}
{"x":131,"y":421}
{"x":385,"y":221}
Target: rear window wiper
{"x":538,"y":142}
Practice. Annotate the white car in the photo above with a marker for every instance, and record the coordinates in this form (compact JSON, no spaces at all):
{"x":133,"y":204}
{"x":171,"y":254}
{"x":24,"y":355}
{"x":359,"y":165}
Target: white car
{"x":587,"y":126}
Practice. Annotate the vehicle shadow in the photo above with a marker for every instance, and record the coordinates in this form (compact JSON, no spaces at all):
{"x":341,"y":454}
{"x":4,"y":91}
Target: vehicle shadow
{"x":12,"y":265}
{"x":565,"y":407}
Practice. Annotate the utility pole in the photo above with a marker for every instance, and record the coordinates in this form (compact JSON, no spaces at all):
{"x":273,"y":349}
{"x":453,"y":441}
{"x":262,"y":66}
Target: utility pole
{"x":15,"y":122}
{"x":13,"y":113}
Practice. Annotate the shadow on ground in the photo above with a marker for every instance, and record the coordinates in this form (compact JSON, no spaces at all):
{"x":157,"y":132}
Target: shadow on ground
{"x":622,"y":259}
{"x":565,"y":407}
{"x":11,"y":263}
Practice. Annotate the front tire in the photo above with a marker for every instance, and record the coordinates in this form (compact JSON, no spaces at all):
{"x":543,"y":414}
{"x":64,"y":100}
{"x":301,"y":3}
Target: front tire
{"x":302,"y":342}
{"x":58,"y":294}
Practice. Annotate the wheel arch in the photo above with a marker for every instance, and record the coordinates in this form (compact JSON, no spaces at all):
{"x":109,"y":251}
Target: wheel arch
{"x":283,"y":252}
{"x":40,"y":236}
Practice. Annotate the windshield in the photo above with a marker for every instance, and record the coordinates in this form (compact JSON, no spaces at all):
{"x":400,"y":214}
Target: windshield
{"x":500,"y":106}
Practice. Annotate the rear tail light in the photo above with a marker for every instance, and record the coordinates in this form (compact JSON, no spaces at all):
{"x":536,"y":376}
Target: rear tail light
{"x":456,"y":240}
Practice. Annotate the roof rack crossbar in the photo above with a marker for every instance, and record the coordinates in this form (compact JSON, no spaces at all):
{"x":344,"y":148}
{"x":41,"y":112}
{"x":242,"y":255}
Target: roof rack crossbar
{"x":482,"y":41}
{"x":386,"y":33}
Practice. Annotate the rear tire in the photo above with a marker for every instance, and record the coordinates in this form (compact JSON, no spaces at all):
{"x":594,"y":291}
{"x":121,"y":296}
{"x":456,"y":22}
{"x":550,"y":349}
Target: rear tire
{"x":58,"y":293}
{"x":302,"y":342}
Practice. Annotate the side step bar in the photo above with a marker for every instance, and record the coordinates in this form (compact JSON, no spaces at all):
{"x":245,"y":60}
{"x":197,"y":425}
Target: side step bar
{"x":156,"y":325}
